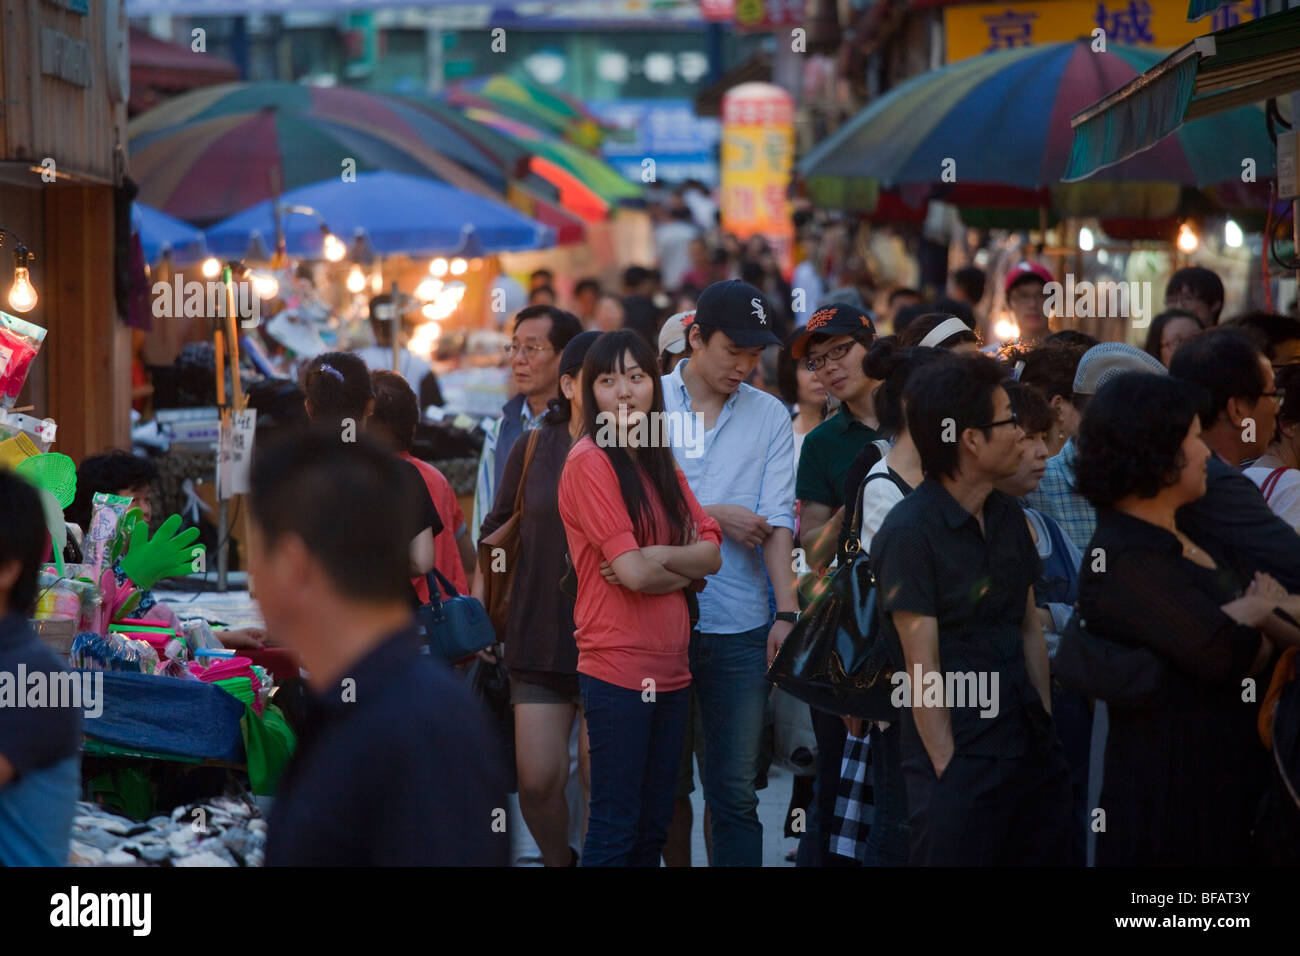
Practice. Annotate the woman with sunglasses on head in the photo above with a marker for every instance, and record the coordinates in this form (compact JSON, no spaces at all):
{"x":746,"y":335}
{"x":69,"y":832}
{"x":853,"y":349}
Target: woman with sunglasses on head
{"x":539,"y":649}
{"x":637,"y":537}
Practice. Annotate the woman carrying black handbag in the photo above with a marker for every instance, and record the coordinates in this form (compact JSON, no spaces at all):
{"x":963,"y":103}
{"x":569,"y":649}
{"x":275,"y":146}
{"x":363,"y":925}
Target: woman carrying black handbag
{"x":541,"y":657}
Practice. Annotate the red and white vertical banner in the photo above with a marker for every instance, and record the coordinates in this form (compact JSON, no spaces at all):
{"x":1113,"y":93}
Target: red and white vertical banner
{"x":756,"y":165}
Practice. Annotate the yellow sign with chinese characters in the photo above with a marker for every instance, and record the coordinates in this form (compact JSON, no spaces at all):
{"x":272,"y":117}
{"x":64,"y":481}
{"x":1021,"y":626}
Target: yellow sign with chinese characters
{"x":756,"y":164}
{"x":986,"y":27}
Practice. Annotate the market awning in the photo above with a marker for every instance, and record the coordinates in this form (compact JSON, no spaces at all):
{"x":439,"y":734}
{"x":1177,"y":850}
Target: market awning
{"x":1247,"y":63}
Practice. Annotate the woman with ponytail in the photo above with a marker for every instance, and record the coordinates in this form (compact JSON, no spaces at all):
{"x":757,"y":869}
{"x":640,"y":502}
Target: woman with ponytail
{"x":340,"y":399}
{"x":637,"y":537}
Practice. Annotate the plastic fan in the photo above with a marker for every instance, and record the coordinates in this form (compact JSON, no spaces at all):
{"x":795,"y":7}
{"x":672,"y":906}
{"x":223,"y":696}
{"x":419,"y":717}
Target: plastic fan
{"x":54,"y":472}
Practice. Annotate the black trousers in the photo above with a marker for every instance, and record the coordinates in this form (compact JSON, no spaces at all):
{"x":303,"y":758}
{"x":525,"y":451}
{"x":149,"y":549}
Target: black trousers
{"x":991,"y":811}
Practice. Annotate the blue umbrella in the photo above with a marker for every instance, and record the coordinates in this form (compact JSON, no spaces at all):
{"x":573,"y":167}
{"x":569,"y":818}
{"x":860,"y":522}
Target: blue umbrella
{"x":397,"y":214}
{"x":158,"y":230}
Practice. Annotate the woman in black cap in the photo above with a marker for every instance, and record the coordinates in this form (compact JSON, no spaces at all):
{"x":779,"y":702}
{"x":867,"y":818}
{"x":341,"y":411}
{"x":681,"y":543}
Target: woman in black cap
{"x":540,"y":651}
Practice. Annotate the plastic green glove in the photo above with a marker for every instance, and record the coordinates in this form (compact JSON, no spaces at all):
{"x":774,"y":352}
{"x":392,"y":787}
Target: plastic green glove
{"x":124,"y":529}
{"x":166,"y":555}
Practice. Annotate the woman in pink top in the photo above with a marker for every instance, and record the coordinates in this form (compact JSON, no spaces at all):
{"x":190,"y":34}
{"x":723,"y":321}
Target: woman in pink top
{"x":637,"y":537}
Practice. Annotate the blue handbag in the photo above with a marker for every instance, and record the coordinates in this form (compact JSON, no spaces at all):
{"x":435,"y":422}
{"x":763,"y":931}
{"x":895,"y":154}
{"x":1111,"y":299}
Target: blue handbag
{"x":457,"y":626}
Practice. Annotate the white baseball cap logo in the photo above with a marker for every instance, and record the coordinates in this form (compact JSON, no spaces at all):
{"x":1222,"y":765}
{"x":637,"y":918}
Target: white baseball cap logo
{"x":757,"y":306}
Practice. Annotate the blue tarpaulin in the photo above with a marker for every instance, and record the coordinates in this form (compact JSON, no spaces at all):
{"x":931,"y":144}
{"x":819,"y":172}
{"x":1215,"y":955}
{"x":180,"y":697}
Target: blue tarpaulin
{"x":166,"y":715}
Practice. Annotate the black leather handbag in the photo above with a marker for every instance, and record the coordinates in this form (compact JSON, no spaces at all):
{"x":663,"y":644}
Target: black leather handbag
{"x":837,"y":657}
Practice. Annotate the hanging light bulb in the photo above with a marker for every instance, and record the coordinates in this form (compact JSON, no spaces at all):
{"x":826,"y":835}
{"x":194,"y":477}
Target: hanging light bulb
{"x":438,"y":267}
{"x":458,"y":267}
{"x":1006,"y":329}
{"x":1187,"y":239}
{"x":22,"y":294}
{"x":211,"y":267}
{"x":356,"y":280}
{"x":1086,"y":241}
{"x":377,"y":282}
{"x":266,"y":286}
{"x":1232,"y":234}
{"x":332,"y":245}
{"x":428,"y":289}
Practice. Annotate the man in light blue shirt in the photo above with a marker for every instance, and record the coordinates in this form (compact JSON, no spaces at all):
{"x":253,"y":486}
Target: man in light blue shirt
{"x":735,"y":445}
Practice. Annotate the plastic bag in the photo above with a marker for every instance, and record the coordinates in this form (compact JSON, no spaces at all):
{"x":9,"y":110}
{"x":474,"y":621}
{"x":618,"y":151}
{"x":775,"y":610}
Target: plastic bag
{"x":20,"y":340}
{"x":199,"y":635}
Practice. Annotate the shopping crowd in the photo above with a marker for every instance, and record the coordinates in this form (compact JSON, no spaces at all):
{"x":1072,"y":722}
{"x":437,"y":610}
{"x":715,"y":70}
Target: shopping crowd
{"x":1101,"y":536}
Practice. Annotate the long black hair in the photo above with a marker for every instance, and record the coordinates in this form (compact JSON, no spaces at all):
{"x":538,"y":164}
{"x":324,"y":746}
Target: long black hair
{"x":656,"y":463}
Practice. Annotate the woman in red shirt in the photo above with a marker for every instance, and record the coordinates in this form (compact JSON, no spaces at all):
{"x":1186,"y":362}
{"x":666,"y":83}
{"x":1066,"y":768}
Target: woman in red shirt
{"x":637,"y":537}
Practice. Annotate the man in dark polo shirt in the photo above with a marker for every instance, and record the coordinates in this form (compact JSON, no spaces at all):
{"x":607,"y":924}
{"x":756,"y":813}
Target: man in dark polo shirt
{"x":987,"y":781}
{"x":397,"y":766}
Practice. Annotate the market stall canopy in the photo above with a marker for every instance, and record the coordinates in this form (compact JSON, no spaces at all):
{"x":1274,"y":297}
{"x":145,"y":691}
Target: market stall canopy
{"x":994,"y":131}
{"x":211,"y":153}
{"x":1216,"y":74}
{"x":397,"y":214}
{"x":549,"y":154}
{"x":160,"y":68}
{"x":159,"y":231}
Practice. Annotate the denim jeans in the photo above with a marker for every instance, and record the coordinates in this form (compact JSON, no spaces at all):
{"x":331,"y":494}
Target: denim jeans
{"x":728,"y":673}
{"x":635,"y":749}
{"x":887,"y":843}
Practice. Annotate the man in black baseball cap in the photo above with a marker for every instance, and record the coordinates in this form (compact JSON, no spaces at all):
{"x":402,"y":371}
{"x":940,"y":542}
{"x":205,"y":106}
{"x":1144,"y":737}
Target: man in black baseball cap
{"x":740,"y":465}
{"x":739,"y":310}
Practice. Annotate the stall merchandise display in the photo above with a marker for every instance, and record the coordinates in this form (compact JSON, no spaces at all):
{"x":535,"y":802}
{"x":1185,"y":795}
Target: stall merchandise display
{"x":20,"y":340}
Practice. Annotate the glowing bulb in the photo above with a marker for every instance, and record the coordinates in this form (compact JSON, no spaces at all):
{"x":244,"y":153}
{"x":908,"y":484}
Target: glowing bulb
{"x":1006,"y":330}
{"x":458,"y":267}
{"x":424,"y":339}
{"x":266,"y":286}
{"x":356,"y":280}
{"x":1232,"y":235}
{"x":22,"y":294}
{"x":334,"y":248}
{"x":438,"y":267}
{"x":428,"y":290}
{"x":377,"y":283}
{"x":429,"y":311}
{"x":1187,"y":240}
{"x":1086,"y":241}
{"x":211,"y":268}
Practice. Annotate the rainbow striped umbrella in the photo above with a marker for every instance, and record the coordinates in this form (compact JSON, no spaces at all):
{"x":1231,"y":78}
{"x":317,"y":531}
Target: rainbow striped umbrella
{"x":534,"y":105}
{"x":994,"y":131}
{"x":209,"y":154}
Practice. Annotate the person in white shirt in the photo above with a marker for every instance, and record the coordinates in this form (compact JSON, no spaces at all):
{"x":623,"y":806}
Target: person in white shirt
{"x":417,"y":371}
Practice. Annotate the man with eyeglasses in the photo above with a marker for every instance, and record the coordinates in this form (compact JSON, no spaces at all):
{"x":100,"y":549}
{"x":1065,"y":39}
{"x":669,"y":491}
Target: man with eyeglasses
{"x":987,"y":780}
{"x":1238,"y":419}
{"x":540,"y":334}
{"x":833,"y":344}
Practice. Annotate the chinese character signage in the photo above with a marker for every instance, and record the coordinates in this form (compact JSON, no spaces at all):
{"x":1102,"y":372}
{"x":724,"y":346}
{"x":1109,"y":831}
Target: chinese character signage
{"x":757,"y":159}
{"x":235,"y":453}
{"x":984,"y":27}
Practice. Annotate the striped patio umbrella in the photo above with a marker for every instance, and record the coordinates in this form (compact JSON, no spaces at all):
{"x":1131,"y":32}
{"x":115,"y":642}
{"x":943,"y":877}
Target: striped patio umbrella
{"x":212,"y":153}
{"x":535,"y":105}
{"x":591,"y":171}
{"x":994,"y":131}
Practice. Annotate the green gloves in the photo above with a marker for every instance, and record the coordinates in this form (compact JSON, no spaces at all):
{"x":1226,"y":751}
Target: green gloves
{"x":166,"y":555}
{"x":124,"y":529}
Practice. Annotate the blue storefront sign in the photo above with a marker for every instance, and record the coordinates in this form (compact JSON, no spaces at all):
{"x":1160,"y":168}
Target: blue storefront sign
{"x":682,"y":145}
